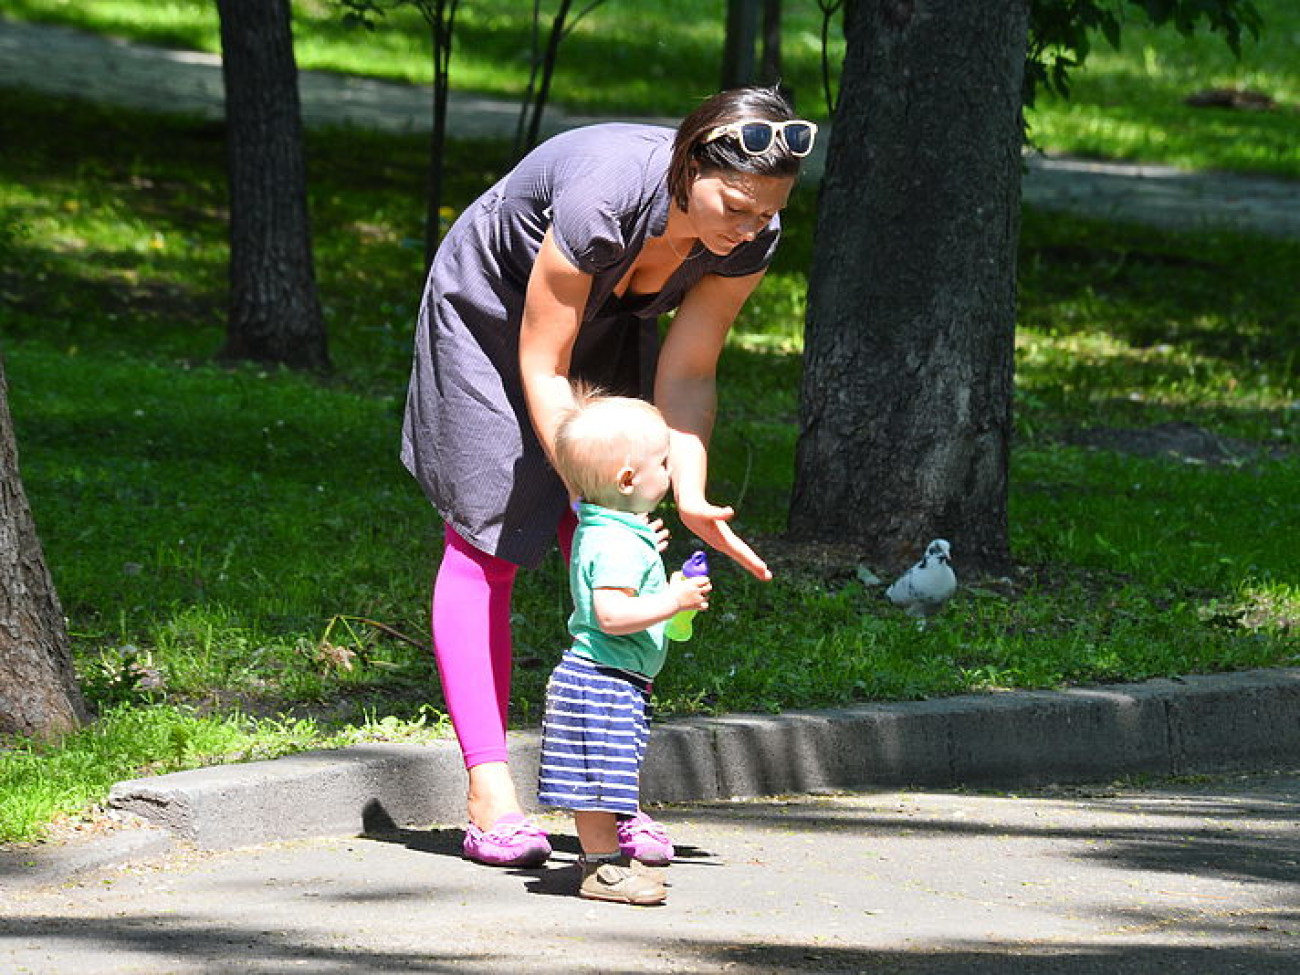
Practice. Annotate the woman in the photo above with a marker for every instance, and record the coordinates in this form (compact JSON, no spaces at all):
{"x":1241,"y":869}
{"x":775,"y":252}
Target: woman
{"x":561,"y":272}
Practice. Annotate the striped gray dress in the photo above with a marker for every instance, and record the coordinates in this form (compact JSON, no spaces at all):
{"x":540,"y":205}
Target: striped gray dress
{"x":466,"y":435}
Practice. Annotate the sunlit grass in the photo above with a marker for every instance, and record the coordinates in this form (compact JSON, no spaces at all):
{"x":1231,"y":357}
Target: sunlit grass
{"x":1130,"y":103}
{"x":1098,"y":368}
{"x":41,"y":784}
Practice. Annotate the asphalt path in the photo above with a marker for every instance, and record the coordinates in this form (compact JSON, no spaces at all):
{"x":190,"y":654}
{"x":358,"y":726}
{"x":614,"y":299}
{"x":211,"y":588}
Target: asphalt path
{"x":1198,"y":875}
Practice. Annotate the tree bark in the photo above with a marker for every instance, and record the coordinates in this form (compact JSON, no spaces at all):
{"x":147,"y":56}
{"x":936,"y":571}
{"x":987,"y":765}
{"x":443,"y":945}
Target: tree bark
{"x":769,"y":62}
{"x":275,"y":313}
{"x":739,"y":65}
{"x":905,"y":409}
{"x":39,"y":697}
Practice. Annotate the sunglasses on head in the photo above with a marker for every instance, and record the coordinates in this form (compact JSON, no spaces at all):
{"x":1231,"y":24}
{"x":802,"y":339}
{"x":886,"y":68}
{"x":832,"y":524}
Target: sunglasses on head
{"x":757,"y":135}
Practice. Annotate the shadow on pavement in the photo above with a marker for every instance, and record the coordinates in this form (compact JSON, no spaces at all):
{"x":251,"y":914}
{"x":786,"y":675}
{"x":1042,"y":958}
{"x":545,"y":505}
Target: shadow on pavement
{"x":203,"y":946}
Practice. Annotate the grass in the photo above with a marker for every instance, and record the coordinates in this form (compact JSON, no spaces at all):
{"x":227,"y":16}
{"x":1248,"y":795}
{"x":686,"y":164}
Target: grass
{"x":41,"y":786}
{"x":220,"y":537}
{"x":1130,"y":103}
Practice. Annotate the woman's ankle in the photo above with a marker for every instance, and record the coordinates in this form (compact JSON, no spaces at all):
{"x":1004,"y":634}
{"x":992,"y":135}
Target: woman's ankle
{"x":491,"y":794}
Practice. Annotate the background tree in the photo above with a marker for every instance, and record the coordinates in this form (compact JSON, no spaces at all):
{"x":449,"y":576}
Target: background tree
{"x":829,"y":9}
{"x":545,"y":57}
{"x":440,"y":17}
{"x":769,"y":61}
{"x":905,"y":418}
{"x":38,"y":689}
{"x":905,"y":409}
{"x":275,"y":314}
{"x":744,"y":62}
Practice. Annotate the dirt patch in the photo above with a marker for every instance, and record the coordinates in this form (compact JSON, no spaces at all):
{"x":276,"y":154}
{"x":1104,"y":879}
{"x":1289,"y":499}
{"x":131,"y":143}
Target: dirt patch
{"x":822,"y":562}
{"x":1184,"y":442}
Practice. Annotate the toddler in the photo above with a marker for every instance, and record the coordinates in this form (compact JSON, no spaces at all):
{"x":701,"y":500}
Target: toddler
{"x":612,"y":452}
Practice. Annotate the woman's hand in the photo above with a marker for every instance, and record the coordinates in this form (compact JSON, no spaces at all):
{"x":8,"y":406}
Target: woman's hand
{"x":685,"y":390}
{"x":709,"y":523}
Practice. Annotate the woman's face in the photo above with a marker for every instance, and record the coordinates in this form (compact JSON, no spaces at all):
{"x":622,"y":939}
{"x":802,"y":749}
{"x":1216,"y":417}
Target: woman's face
{"x":728,"y":209}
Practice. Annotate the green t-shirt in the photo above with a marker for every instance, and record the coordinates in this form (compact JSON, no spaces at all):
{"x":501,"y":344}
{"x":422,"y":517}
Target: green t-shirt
{"x":615,"y":550}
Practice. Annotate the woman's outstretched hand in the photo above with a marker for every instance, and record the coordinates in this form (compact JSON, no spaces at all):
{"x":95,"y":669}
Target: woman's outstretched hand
{"x":709,"y":523}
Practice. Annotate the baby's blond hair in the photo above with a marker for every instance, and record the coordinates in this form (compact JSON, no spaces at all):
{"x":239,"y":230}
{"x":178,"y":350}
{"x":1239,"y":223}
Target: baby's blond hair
{"x":599,"y":437}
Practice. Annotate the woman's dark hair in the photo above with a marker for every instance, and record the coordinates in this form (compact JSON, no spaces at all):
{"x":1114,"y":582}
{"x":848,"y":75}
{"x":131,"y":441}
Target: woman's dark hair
{"x":691,"y":152}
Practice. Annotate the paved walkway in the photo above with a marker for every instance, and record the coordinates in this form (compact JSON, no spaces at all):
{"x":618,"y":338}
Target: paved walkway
{"x":1182,"y":878}
{"x":1173,"y":878}
{"x":1199,"y":874}
{"x":67,"y":62}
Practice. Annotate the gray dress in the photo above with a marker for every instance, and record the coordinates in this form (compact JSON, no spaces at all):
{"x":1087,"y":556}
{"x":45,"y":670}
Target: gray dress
{"x":466,"y":436}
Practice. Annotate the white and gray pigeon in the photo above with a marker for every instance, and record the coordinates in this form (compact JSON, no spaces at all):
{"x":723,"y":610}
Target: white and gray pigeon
{"x":924,"y":588}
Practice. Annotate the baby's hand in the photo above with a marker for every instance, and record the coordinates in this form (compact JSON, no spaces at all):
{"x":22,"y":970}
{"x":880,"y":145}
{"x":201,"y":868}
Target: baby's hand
{"x":691,"y":592}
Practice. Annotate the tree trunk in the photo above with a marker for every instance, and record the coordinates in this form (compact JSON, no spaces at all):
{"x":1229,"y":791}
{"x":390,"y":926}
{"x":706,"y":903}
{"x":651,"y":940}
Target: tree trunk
{"x":275,"y":313}
{"x":738,"y":60}
{"x":905,"y":411}
{"x":38,"y":689}
{"x":769,"y":63}
{"x":440,"y":40}
{"x":550,"y":58}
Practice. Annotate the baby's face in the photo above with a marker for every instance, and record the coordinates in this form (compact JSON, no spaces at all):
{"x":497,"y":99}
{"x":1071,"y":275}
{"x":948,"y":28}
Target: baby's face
{"x":651,"y":477}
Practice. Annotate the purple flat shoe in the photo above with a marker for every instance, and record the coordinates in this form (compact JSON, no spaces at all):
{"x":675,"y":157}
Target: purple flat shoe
{"x":641,"y":838}
{"x":512,"y":842}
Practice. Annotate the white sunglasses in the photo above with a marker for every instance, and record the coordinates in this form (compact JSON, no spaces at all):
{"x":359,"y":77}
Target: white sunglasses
{"x":756,"y":136}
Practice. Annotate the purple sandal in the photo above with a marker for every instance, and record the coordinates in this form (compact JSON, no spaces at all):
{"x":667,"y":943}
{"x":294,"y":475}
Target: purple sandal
{"x":512,"y":842}
{"x":641,"y":838}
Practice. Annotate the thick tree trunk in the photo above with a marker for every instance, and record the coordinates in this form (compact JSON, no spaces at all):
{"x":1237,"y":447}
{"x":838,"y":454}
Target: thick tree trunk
{"x":275,"y":314}
{"x":38,"y":690}
{"x":906,"y":403}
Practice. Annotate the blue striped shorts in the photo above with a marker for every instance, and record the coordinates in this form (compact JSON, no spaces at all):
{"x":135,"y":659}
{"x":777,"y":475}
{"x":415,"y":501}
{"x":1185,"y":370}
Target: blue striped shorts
{"x":594,"y":737}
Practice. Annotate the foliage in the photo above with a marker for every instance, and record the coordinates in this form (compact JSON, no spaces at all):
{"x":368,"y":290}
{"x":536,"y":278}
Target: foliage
{"x":1061,"y":31}
{"x":1136,"y":102}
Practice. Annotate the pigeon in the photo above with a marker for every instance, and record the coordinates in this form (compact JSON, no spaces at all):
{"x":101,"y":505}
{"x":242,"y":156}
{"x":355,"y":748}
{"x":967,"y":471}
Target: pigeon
{"x":924,"y":588}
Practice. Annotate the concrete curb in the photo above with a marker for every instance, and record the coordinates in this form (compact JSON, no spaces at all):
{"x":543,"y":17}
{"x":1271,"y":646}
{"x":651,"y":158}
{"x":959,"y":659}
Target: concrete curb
{"x":44,"y":863}
{"x":1161,"y":727}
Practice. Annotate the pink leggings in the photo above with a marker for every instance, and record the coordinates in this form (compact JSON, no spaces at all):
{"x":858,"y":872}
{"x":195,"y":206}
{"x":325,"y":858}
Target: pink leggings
{"x":471,"y":640}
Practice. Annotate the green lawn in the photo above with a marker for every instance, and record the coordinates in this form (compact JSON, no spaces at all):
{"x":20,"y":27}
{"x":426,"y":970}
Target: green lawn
{"x":1131,"y":103}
